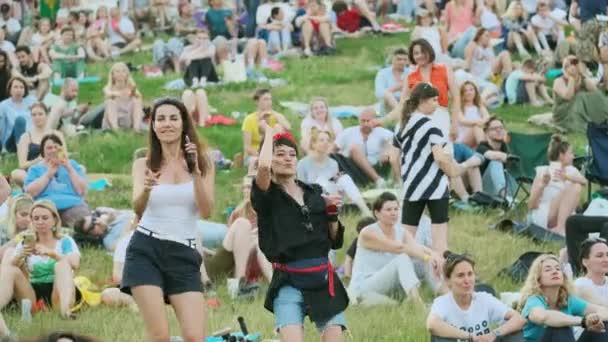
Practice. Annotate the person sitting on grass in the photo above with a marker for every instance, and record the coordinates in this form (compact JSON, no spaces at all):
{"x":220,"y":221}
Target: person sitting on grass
{"x":98,"y":47}
{"x":548,"y":29}
{"x":517,"y":30}
{"x":495,"y":151}
{"x":470,"y":179}
{"x":320,"y":118}
{"x":482,"y":62}
{"x":67,"y":56}
{"x":384,"y":264}
{"x":107,"y":224}
{"x":42,"y":40}
{"x":551,"y":308}
{"x":43,"y":265}
{"x":16,"y":222}
{"x":367,"y":146}
{"x":252,"y":127}
{"x":277,"y":30}
{"x":197,"y":61}
{"x":389,"y":80}
{"x":556,"y":189}
{"x":318,"y":167}
{"x":315,"y":23}
{"x":593,"y":285}
{"x":28,"y":148}
{"x":525,"y":85}
{"x":122,"y":33}
{"x":66,"y":112}
{"x":7,"y":46}
{"x":464,"y":314}
{"x":473,"y":116}
{"x":350,"y":21}
{"x":239,"y":255}
{"x":36,"y":74}
{"x":123,"y":101}
{"x":59,"y":179}
{"x":15,"y":115}
{"x":351,"y":252}
{"x":577,"y":99}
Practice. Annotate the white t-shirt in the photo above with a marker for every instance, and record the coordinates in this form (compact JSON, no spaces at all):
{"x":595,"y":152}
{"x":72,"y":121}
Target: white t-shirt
{"x":7,"y":46}
{"x":125,"y":25}
{"x":372,"y":147}
{"x":120,"y":252}
{"x":12,"y":25}
{"x":587,"y":284}
{"x":484,"y":312}
{"x":545,"y":24}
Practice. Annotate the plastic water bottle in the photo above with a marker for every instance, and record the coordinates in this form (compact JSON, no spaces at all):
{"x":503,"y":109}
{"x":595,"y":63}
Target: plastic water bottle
{"x":26,"y":310}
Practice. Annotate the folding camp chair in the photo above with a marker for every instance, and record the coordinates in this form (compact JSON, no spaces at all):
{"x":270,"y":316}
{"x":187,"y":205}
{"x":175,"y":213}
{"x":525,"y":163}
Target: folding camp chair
{"x":596,"y":166}
{"x":531,"y":150}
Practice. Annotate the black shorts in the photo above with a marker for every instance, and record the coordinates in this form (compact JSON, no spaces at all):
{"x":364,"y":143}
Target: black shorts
{"x":172,"y":266}
{"x":412,"y":211}
{"x":120,"y":45}
{"x":44,"y":291}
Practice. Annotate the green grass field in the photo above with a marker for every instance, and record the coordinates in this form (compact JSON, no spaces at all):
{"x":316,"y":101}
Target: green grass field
{"x":346,"y":78}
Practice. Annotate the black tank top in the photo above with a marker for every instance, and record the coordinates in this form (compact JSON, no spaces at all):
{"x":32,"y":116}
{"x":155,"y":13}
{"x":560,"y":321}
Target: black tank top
{"x":30,"y":72}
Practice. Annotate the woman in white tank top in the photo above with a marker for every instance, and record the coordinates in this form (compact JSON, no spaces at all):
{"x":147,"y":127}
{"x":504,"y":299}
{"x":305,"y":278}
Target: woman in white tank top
{"x":172,"y":188}
{"x":474,"y":116}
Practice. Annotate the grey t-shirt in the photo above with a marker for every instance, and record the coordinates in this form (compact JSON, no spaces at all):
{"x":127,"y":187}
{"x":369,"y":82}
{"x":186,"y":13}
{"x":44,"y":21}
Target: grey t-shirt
{"x":309,"y":171}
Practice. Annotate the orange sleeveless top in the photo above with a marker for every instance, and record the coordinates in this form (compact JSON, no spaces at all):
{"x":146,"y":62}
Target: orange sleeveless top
{"x":439,"y":80}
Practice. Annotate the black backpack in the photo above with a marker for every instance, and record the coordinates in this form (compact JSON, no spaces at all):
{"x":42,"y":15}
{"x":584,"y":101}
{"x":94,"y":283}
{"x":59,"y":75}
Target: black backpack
{"x":518,"y":271}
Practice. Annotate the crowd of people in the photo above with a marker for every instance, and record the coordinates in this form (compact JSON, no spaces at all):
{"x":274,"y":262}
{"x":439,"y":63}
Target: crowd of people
{"x":434,"y":139}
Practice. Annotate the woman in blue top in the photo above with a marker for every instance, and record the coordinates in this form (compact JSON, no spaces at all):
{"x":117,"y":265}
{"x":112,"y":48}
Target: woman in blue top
{"x":42,"y":267}
{"x":551,"y":310}
{"x":58,"y":179}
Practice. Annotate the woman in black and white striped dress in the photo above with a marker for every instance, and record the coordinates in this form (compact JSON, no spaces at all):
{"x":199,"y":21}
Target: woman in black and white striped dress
{"x":425,"y":165}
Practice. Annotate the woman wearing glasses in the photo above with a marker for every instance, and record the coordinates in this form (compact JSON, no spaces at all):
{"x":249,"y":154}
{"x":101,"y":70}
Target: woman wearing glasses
{"x":593,"y":286}
{"x":463,"y":314}
{"x":552,"y":310}
{"x":556,"y":189}
{"x":297,"y":227}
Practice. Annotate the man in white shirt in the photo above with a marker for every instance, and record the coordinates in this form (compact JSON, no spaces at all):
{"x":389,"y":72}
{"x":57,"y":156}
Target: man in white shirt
{"x":367,"y":146}
{"x":13,"y":27}
{"x":122,"y":33}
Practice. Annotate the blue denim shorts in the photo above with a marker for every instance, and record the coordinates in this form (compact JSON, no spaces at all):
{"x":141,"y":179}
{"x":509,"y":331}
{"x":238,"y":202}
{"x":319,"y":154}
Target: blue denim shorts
{"x":463,"y":152}
{"x":289,"y":309}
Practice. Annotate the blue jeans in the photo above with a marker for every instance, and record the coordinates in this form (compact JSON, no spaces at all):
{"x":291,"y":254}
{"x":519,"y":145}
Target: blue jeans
{"x":288,"y":308}
{"x":406,"y":8}
{"x":458,"y":47}
{"x":18,"y":130}
{"x":494,"y":180}
{"x":252,"y":9}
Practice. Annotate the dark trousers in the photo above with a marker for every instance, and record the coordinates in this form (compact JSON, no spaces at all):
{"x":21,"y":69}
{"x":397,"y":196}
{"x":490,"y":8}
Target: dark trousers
{"x":515,"y":337}
{"x":578,"y":228}
{"x":18,"y":130}
{"x":566,"y":335}
{"x":200,"y":68}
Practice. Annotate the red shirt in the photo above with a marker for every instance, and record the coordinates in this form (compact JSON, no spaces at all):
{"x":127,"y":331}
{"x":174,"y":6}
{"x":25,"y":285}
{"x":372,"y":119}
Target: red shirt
{"x":349,"y":20}
{"x":439,"y":80}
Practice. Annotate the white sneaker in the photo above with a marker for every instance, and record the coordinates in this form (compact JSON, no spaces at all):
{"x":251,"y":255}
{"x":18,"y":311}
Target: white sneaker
{"x":194,"y":82}
{"x":233,"y":287}
{"x":308,"y":53}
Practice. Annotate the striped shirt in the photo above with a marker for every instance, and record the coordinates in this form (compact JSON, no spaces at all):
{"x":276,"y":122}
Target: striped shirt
{"x":422,"y":178}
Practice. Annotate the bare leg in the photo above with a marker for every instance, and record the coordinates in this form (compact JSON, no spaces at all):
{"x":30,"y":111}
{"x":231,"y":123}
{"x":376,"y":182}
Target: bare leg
{"x":91,"y":52}
{"x":542,"y":90}
{"x":292,"y":333}
{"x":113,"y":297}
{"x":531,"y":90}
{"x":239,"y":242}
{"x":474,"y":177}
{"x":264,"y":264}
{"x":307,"y":31}
{"x":356,"y":153}
{"x":43,"y":89}
{"x":131,"y":46}
{"x":63,"y":287}
{"x":262,"y":54}
{"x":202,"y":105}
{"x":502,"y":64}
{"x":389,"y":101}
{"x":149,"y":299}
{"x":439,"y":233}
{"x":570,"y":199}
{"x":189,"y":102}
{"x":367,"y":13}
{"x":138,"y":115}
{"x":191,"y":313}
{"x":14,"y":284}
{"x":332,"y":334}
{"x":515,"y":37}
{"x":533,"y":40}
{"x":111,"y":114}
{"x":325,"y":32}
{"x":458,"y":186}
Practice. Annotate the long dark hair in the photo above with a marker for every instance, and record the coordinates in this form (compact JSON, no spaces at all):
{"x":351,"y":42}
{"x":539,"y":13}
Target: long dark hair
{"x":421,"y":92}
{"x":155,"y":152}
{"x":586,"y":247}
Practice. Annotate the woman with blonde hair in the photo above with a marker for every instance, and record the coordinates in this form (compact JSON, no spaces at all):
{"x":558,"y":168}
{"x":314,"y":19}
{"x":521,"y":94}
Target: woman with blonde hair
{"x":319,"y":117}
{"x":516,"y":28}
{"x":42,"y":266}
{"x":319,"y":168}
{"x":551,"y":309}
{"x":123,"y":102}
{"x":17,"y":221}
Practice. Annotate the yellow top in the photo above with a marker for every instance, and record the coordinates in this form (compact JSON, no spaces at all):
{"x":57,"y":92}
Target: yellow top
{"x":250,"y":124}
